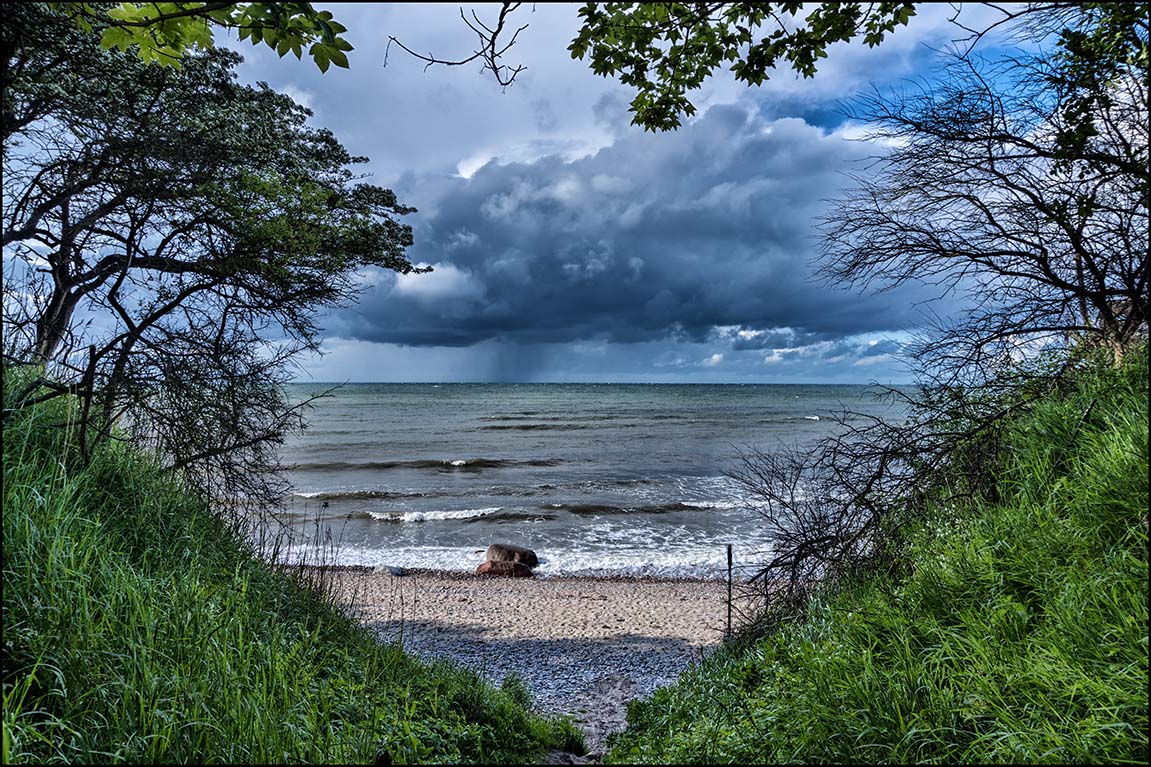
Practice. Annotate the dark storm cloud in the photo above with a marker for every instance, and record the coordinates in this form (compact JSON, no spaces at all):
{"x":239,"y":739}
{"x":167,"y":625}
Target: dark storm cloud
{"x":702,"y":234}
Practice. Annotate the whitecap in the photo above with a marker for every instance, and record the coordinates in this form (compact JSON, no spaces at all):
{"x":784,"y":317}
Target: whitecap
{"x":433,"y":516}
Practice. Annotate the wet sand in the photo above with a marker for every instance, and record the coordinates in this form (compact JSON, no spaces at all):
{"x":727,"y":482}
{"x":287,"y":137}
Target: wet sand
{"x":583,"y":646}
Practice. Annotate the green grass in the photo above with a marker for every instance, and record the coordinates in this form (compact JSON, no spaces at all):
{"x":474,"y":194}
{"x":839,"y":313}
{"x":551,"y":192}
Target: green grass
{"x":138,"y":628}
{"x":1020,"y":636}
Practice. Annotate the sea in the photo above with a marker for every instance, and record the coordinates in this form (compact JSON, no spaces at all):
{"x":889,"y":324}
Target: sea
{"x":598,"y":479}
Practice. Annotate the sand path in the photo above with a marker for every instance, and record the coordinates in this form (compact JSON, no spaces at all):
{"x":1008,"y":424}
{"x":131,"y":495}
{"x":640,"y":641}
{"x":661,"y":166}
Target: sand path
{"x":583,"y":646}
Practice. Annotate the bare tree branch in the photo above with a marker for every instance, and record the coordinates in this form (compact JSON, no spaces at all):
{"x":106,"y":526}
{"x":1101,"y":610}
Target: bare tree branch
{"x":489,"y":50}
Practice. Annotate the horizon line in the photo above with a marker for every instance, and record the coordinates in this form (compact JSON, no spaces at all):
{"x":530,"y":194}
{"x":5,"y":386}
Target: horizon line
{"x":601,"y":383}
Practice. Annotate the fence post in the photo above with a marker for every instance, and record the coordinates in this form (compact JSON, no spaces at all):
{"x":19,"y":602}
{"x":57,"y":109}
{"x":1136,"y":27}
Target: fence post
{"x":728,"y":634}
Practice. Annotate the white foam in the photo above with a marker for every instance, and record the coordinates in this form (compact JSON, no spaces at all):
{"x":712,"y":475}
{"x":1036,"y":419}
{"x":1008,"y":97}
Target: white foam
{"x":433,"y":516}
{"x":698,"y":561}
{"x":431,"y":557}
{"x":458,"y":462}
{"x":811,"y":417}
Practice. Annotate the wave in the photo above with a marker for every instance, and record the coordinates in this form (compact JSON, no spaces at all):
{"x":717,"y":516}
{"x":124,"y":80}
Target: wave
{"x":597,"y":417}
{"x":690,"y":418}
{"x":537,"y":427}
{"x":633,"y":416}
{"x":598,"y":509}
{"x":697,"y":561}
{"x":458,"y":464}
{"x":489,"y":513}
{"x":516,"y":491}
{"x":358,"y":495}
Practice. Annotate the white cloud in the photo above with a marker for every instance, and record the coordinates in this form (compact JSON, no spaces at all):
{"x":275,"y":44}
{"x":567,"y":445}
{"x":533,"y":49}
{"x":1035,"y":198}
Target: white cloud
{"x":303,"y":97}
{"x":446,"y":281}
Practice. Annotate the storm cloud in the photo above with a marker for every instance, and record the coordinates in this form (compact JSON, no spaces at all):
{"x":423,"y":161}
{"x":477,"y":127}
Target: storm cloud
{"x":568,"y":245}
{"x":706,"y":234}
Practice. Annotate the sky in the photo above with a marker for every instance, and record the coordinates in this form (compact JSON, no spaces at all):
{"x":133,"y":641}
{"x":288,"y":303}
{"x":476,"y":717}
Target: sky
{"x":570,"y":246}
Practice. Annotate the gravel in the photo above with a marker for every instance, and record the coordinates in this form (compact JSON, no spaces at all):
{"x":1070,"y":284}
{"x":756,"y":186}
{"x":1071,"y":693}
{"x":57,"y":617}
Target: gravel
{"x":584,"y":647}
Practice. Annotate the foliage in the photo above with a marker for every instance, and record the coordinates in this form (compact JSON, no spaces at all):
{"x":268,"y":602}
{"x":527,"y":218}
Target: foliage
{"x":974,"y":192}
{"x":665,"y":50}
{"x":1021,"y":185}
{"x":139,"y":628}
{"x":175,"y":236}
{"x":165,"y":32}
{"x":1093,"y":56}
{"x":1019,"y":636}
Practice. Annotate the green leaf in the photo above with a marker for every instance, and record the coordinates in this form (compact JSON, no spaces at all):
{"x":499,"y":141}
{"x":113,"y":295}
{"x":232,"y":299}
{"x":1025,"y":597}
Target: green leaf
{"x":320,"y":56}
{"x":117,"y":38}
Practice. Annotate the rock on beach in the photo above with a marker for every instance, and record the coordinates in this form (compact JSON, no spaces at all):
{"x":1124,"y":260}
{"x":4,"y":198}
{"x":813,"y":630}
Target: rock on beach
{"x":507,"y":569}
{"x":509,"y":552}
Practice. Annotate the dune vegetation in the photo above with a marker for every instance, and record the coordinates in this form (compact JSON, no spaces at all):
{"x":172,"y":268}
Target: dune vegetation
{"x":140,"y":627}
{"x":1017,"y":633}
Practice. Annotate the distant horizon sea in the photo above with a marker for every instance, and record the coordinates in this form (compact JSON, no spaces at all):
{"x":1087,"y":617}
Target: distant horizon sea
{"x":598,"y":479}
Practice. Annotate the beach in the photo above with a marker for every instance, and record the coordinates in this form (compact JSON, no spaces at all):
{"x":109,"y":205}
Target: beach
{"x":624,"y":492}
{"x":583,"y":646}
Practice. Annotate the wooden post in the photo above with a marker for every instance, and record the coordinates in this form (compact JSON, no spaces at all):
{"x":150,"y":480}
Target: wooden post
{"x":728,"y":634}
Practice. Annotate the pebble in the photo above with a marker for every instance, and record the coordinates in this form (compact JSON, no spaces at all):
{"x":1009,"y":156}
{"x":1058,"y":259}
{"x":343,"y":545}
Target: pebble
{"x":584,"y":647}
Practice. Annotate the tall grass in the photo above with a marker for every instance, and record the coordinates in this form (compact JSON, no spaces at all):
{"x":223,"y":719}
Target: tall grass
{"x":139,"y":628}
{"x":1021,"y":634}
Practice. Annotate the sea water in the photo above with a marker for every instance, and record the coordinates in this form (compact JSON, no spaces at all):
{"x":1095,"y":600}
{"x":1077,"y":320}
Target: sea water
{"x":598,"y":479}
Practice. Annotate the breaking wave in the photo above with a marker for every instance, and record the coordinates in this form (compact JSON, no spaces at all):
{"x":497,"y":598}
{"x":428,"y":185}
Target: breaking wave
{"x":490,"y":513}
{"x":598,"y":509}
{"x":448,"y":464}
{"x":690,"y":561}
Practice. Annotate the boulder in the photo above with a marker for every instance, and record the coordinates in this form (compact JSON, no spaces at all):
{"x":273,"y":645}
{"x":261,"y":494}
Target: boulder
{"x":505,"y":568}
{"x":509,"y":552}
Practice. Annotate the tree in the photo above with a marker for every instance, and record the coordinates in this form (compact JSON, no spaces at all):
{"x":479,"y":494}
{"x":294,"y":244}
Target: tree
{"x":164,"y":32}
{"x":667,"y":50}
{"x":1023,"y":185}
{"x":664,"y":50}
{"x":170,"y":238}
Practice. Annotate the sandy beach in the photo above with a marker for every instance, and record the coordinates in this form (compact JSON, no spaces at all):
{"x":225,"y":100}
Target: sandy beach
{"x":583,"y":646}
